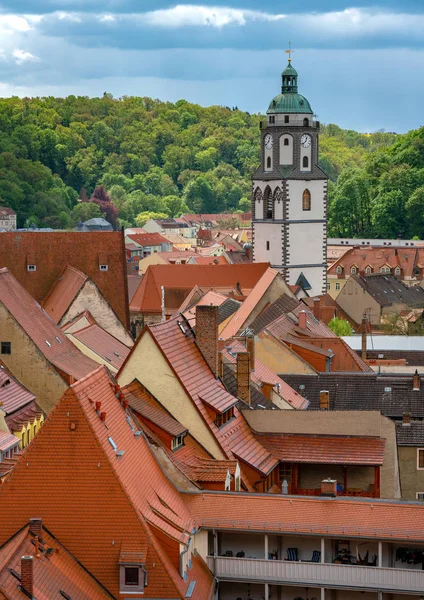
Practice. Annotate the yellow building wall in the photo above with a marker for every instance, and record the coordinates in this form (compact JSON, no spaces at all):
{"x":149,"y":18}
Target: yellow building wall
{"x":29,"y":365}
{"x":28,"y":432}
{"x":334,"y":286}
{"x":88,"y":352}
{"x":279,"y":358}
{"x":150,"y":367}
{"x":152,"y":259}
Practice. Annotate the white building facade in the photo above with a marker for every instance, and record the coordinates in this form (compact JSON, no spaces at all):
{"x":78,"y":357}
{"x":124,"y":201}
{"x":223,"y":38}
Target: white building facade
{"x":289,"y":194}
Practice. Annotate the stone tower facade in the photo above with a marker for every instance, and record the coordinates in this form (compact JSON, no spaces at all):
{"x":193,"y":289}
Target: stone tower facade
{"x":289,"y":195}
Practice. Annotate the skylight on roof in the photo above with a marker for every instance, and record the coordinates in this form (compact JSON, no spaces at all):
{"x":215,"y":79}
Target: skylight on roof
{"x":58,"y":340}
{"x":48,"y":344}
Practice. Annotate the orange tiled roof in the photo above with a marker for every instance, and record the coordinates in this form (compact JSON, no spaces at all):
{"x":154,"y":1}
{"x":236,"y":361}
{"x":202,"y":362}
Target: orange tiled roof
{"x":148,"y":296}
{"x":148,"y":239}
{"x":362,"y":257}
{"x":311,"y":516}
{"x":61,"y":571}
{"x":239,"y":318}
{"x":102,"y":343}
{"x":93,"y":466}
{"x":344,"y":358}
{"x":325,"y":449}
{"x":187,"y":362}
{"x":53,"y":251}
{"x":13,"y":395}
{"x":63,"y":293}
{"x":288,"y":324}
{"x":45,"y":334}
{"x":7,"y":440}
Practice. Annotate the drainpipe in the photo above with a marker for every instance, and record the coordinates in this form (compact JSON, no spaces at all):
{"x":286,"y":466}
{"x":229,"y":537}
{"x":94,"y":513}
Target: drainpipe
{"x":364,"y":337}
{"x":187,"y":546}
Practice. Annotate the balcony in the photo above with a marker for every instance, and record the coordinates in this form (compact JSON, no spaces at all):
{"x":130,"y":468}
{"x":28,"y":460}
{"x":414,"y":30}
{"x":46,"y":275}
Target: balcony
{"x":359,"y":578}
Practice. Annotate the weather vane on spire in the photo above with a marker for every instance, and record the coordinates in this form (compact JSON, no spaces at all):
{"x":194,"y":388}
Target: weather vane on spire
{"x":289,"y":51}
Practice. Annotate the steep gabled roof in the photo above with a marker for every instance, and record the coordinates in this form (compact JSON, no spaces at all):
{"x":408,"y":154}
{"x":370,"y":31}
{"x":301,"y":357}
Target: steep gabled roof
{"x":51,"y":252}
{"x":387,"y":290}
{"x":45,"y":334}
{"x":60,"y":572}
{"x":148,"y":297}
{"x":363,"y":257}
{"x":103,"y":344}
{"x":63,"y":293}
{"x":281,"y":306}
{"x":13,"y":395}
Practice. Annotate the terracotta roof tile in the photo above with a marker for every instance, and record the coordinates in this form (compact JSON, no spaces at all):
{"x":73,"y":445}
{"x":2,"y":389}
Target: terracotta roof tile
{"x":102,"y":343}
{"x":53,"y":251}
{"x":7,"y":440}
{"x":363,"y":257}
{"x":45,"y":334}
{"x":148,"y":239}
{"x":325,"y":449}
{"x":63,"y":293}
{"x":13,"y":395}
{"x":281,"y":306}
{"x":148,"y":296}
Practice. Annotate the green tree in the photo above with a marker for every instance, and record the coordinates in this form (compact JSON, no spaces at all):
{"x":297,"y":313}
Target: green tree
{"x":340,"y":327}
{"x":83,"y":212}
{"x":142,"y":218}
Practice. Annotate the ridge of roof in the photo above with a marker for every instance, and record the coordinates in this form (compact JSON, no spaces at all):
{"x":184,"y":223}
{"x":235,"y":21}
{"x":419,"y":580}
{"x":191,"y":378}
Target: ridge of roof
{"x":63,"y":292}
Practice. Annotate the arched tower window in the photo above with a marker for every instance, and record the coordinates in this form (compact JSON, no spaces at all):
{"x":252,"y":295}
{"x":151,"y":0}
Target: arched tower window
{"x":305,"y":122}
{"x":286,"y":149}
{"x":268,"y":204}
{"x":286,"y":142}
{"x":306,"y":200}
{"x":305,"y":162}
{"x":268,"y":162}
{"x":257,"y":197}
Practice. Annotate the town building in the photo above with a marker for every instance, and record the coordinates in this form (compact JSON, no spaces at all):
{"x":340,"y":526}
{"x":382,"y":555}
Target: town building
{"x":171,"y":226}
{"x":7,"y":219}
{"x":382,"y":298}
{"x":38,"y":260}
{"x":97,"y":224}
{"x":289,"y":196}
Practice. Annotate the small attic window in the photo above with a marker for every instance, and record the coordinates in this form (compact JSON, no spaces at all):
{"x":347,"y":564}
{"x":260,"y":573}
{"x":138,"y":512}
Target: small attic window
{"x":177,"y":442}
{"x":31,"y":267}
{"x":338,"y":270}
{"x":132,"y":578}
{"x":104,"y":267}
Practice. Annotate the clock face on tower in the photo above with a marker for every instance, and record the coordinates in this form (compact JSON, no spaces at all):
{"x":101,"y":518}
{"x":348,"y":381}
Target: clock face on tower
{"x":305,"y":140}
{"x":268,"y":141}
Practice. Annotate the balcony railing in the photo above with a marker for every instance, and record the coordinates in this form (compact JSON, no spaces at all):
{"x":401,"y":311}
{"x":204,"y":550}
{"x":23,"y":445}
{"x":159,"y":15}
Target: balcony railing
{"x":350,"y":493}
{"x":317,"y":574}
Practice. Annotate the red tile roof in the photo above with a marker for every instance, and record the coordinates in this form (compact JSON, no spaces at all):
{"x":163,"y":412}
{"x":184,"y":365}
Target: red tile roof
{"x":325,"y":449}
{"x":362,"y":257}
{"x":94,"y":465}
{"x":311,"y":516}
{"x":61,"y":571}
{"x":7,"y":440}
{"x":344,"y":358}
{"x":53,"y":251}
{"x":148,"y":296}
{"x":63,"y":293}
{"x":148,"y":239}
{"x":288,"y":324}
{"x":103,"y":344}
{"x":187,"y":362}
{"x":13,"y":395}
{"x":45,"y":334}
{"x":5,"y":210}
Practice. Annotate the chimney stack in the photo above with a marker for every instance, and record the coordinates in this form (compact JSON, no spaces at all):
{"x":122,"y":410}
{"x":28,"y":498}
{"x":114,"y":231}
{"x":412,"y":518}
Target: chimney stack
{"x":302,"y":316}
{"x":250,"y":347}
{"x":364,"y":336}
{"x":324,"y":399}
{"x":36,"y":527}
{"x":207,"y":335}
{"x":329,"y":487}
{"x":417,"y":381}
{"x":243,"y":376}
{"x":406,"y":418}
{"x":317,"y":308}
{"x":27,"y":575}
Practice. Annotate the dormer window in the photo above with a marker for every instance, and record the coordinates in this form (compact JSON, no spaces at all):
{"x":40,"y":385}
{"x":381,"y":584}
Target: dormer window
{"x":223,"y":418}
{"x":368,"y":270}
{"x":339,"y":270}
{"x":397,"y":271}
{"x":353,"y":270}
{"x":132,"y":578}
{"x":385,"y":269}
{"x":177,"y":442}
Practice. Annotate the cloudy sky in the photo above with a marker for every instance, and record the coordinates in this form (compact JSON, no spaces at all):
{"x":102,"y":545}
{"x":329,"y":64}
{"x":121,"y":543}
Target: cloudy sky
{"x":360,"y":65}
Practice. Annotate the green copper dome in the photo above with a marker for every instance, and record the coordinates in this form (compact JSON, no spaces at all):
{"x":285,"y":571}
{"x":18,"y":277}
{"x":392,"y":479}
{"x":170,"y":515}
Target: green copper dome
{"x":289,"y":101}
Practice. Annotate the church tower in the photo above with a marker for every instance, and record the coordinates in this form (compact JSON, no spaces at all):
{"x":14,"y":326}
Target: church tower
{"x":289,"y":196}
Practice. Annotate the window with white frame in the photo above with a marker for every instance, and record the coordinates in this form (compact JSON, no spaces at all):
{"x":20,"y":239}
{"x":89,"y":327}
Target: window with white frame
{"x":368,"y":270}
{"x":420,"y":459}
{"x":420,"y":495}
{"x":353,"y":270}
{"x":132,"y":578}
{"x":337,"y":287}
{"x":385,"y":269}
{"x":338,"y":270}
{"x":397,"y":271}
{"x":31,"y":267}
{"x":177,"y":442}
{"x":104,"y":267}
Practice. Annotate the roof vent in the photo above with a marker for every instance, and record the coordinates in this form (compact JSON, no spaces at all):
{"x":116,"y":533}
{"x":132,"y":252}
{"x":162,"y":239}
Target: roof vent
{"x":181,"y":326}
{"x":120,"y":453}
{"x":387,"y":390}
{"x":48,"y":344}
{"x":117,"y":354}
{"x":58,"y":340}
{"x":112,"y":443}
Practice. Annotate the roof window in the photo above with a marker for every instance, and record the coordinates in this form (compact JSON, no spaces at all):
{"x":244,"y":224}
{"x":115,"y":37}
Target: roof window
{"x":177,"y":442}
{"x":132,"y":578}
{"x":31,"y":267}
{"x":104,"y":267}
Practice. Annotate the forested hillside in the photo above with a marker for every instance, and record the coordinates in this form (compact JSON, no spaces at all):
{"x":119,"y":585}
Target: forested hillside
{"x":164,"y":158}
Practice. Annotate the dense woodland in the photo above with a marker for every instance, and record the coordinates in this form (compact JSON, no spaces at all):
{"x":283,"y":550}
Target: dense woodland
{"x":161,"y":158}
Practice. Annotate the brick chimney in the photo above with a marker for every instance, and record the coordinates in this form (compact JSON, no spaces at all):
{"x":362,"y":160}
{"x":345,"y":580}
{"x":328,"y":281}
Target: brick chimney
{"x":250,"y":347}
{"x":317,"y":308}
{"x":406,"y":419}
{"x":324,"y":399}
{"x":243,"y":376}
{"x":27,"y":575}
{"x":207,"y":335}
{"x":329,"y":487}
{"x":364,"y":329}
{"x":302,"y":316}
{"x":417,"y":381}
{"x":36,"y":527}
